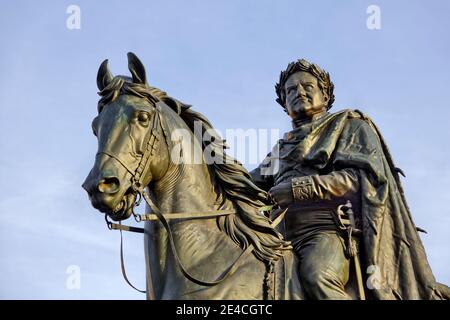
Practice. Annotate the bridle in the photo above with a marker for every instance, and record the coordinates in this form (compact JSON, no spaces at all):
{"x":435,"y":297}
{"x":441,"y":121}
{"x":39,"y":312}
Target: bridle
{"x":139,"y":190}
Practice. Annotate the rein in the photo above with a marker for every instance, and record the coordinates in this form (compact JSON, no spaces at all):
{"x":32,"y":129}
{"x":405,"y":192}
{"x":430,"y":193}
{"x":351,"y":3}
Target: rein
{"x":157,"y":215}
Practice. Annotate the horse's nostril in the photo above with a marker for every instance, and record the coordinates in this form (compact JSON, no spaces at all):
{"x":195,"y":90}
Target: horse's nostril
{"x":109,"y":185}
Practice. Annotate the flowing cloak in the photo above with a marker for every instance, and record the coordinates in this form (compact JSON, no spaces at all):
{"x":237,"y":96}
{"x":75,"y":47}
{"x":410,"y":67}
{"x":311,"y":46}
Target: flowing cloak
{"x":393,"y":254}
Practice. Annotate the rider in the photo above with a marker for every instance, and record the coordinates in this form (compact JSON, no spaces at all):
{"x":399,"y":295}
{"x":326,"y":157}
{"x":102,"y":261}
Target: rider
{"x":327,"y":160}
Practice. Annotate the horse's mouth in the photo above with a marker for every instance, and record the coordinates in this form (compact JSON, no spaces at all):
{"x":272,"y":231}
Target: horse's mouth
{"x":124,"y":209}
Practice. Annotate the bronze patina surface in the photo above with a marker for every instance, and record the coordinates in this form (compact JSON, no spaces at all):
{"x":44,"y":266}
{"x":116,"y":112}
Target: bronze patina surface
{"x":340,"y":199}
{"x":135,"y":130}
{"x":330,"y":160}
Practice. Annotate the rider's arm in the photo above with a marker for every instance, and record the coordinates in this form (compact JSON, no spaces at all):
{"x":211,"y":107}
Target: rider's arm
{"x":337,"y":184}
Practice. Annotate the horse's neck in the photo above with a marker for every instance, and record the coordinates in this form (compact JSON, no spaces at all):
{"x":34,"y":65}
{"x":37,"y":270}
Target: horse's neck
{"x":186,"y":188}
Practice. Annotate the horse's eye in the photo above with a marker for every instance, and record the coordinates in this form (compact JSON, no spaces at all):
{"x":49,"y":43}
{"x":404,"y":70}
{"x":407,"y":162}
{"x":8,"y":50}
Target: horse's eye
{"x":143,"y":117}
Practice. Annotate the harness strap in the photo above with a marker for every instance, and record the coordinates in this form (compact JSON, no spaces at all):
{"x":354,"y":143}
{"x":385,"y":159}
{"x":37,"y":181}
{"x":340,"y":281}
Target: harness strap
{"x":163,"y":219}
{"x":112,"y":155}
{"x":185,"y":215}
{"x":229,"y":271}
{"x":170,"y":216}
{"x":122,"y":264}
{"x":120,"y":227}
{"x":150,"y":148}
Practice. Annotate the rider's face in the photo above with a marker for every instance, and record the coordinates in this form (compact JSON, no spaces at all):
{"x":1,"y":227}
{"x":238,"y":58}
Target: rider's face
{"x":304,"y":96}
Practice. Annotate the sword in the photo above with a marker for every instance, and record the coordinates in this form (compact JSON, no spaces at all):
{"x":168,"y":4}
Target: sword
{"x":346,"y":223}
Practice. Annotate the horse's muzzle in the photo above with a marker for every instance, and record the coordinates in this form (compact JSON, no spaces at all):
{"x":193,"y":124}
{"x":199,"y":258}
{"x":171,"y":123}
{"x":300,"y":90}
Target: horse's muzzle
{"x":103,"y":191}
{"x":107,"y":196}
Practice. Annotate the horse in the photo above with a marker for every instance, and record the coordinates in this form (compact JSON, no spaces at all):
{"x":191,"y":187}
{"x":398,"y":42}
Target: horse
{"x":206,"y":237}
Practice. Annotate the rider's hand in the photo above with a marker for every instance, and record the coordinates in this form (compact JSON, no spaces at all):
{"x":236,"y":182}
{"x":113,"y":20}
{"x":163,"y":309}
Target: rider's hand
{"x":282,"y":194}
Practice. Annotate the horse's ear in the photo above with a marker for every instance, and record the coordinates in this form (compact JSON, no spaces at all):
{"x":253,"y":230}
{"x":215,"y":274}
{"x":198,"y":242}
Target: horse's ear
{"x":136,"y":68}
{"x":104,"y":76}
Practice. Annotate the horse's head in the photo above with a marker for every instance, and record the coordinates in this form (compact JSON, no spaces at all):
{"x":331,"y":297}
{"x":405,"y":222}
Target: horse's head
{"x":129,"y":132}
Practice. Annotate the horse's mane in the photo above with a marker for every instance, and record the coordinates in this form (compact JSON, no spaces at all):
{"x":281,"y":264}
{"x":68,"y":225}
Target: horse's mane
{"x":231,"y":179}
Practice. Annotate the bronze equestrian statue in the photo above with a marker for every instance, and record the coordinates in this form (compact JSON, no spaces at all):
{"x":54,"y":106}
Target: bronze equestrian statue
{"x":211,"y":232}
{"x":210,"y":240}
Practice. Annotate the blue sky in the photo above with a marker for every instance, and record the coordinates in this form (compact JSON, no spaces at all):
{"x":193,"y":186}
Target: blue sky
{"x":224,"y":58}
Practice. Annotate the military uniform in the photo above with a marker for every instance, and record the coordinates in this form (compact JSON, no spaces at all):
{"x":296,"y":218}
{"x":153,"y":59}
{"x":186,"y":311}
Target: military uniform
{"x":309,"y":222}
{"x":338,"y":157}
